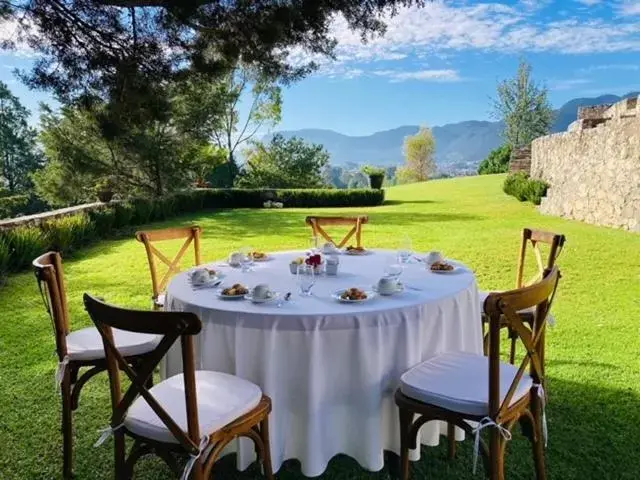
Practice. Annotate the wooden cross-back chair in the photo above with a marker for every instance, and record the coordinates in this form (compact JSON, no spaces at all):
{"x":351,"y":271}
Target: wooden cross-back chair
{"x":149,"y":237}
{"x":460,"y":388}
{"x":77,"y":349}
{"x":317,"y":225}
{"x":219,"y":407}
{"x":531,"y":240}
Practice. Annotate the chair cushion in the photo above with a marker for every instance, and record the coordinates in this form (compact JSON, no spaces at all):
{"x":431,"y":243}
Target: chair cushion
{"x":159,"y":301}
{"x":222,"y":398}
{"x":460,"y":382}
{"x":86,"y":344}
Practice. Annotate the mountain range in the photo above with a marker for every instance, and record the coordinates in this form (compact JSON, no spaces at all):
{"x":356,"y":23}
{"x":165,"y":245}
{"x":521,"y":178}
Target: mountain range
{"x":459,"y":146}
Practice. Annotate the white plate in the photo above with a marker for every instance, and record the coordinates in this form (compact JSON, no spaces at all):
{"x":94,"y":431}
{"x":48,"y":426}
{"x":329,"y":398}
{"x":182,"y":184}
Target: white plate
{"x":337,"y":295}
{"x":357,"y":253}
{"x":213,"y":281}
{"x":231,"y":297}
{"x":399,"y":289}
{"x":273,"y":296}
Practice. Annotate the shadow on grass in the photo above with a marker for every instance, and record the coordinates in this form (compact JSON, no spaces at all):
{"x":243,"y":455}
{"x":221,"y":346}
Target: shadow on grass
{"x":592,"y":434}
{"x":403,"y":202}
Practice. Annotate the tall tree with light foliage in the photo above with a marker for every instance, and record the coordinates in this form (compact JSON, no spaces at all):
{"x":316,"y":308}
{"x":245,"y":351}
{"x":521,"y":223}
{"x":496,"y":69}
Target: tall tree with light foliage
{"x":419,"y":150}
{"x":524,"y":107}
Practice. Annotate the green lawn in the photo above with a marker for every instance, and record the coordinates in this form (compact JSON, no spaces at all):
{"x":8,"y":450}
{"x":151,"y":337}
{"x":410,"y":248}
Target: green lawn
{"x":593,"y":354}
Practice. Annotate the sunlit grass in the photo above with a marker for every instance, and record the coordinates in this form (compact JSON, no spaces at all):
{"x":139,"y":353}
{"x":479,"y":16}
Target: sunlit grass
{"x":593,"y":360}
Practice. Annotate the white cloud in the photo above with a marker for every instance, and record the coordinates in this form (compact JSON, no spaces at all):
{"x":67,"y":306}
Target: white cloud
{"x":444,"y":75}
{"x":589,"y":3}
{"x":631,"y":67}
{"x":568,"y":84}
{"x":441,"y":28}
{"x":9,"y":32}
{"x":629,"y":7}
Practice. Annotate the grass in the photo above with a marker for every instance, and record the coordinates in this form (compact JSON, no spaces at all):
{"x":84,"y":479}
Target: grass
{"x":593,"y":364}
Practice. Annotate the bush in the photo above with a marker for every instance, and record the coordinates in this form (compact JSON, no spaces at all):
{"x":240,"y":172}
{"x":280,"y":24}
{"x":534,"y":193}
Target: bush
{"x":5,"y":257}
{"x":104,"y":221}
{"x":497,"y":161}
{"x":67,"y":234}
{"x":524,"y":188}
{"x":11,"y":206}
{"x":24,"y":243}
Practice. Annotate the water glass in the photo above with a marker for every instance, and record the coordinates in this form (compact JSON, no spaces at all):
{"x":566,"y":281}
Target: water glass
{"x":393,"y":269}
{"x":313,"y":244}
{"x":247,"y":259}
{"x":404,"y":250}
{"x":306,"y":279}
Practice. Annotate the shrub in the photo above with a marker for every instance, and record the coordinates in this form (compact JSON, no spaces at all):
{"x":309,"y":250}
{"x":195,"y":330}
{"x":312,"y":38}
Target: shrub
{"x":24,"y":243}
{"x":524,"y":188}
{"x":5,"y":258}
{"x":68,"y":233}
{"x":497,"y":161}
{"x":104,"y":221}
{"x":124,"y":214}
{"x":143,"y":210}
{"x":11,"y":206}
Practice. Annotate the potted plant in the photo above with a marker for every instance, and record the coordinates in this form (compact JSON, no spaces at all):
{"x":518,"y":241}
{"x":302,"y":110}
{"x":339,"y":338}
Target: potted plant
{"x":104,"y":189}
{"x":376,"y":176}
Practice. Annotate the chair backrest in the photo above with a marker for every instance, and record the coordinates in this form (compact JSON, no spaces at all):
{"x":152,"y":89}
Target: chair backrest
{"x":172,"y":325}
{"x":318,"y":223}
{"x":50,"y":277}
{"x":190,"y":234}
{"x":503,"y":307}
{"x":535,"y":238}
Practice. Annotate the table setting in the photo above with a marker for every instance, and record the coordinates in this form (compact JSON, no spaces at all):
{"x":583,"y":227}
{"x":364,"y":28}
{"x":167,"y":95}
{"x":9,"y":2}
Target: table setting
{"x":327,"y":333}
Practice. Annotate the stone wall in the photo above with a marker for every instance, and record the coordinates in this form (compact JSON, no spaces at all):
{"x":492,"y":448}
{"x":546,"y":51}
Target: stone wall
{"x":39,"y":218}
{"x":520,"y":160}
{"x":593,"y":112}
{"x":594,"y":174}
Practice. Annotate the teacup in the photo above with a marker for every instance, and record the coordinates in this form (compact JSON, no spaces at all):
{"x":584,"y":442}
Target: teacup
{"x":387,"y":286}
{"x":235,"y":259}
{"x":329,"y":247}
{"x":200,"y":276}
{"x":433,"y":257}
{"x":261,"y":291}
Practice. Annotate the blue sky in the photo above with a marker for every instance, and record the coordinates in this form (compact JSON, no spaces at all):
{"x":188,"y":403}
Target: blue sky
{"x":441,"y":63}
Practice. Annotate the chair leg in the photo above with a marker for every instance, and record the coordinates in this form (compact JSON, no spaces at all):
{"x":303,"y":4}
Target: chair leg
{"x":266,"y":445}
{"x":406,"y":417}
{"x":496,"y":456}
{"x":67,"y":428}
{"x":124,"y":470}
{"x":537,"y":440}
{"x":451,"y":440}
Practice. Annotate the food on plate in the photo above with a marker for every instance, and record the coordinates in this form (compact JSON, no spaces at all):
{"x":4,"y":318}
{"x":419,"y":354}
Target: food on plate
{"x":353,"y":249}
{"x":236,"y":289}
{"x":441,"y":266}
{"x":259,"y":256}
{"x":353,"y":294}
{"x":212,"y":273}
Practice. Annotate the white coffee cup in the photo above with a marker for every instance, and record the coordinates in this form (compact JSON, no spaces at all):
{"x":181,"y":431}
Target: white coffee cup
{"x":261,"y":291}
{"x":235,"y":259}
{"x":200,"y":276}
{"x":433,"y":257}
{"x":387,"y":286}
{"x":329,"y":247}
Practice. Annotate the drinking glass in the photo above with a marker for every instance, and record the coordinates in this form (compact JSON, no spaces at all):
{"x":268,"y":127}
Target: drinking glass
{"x":393,"y":269}
{"x":306,"y":279}
{"x":404,"y":249}
{"x":247,"y":259}
{"x":313,"y":244}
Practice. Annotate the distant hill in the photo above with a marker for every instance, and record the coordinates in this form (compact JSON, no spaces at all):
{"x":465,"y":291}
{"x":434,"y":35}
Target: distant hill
{"x":457,"y":144}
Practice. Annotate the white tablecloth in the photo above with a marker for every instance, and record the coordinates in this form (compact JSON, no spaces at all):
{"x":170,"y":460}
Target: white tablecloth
{"x":331,"y":369}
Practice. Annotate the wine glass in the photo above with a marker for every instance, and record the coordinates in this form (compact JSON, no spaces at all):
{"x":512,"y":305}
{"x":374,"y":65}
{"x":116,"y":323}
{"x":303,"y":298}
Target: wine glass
{"x":404,"y":249}
{"x":306,"y":279}
{"x":246,"y":259}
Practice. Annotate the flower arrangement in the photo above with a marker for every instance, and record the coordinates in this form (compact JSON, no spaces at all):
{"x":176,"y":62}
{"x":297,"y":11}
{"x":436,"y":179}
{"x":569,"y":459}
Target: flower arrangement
{"x":314,"y":260}
{"x":270,"y":204}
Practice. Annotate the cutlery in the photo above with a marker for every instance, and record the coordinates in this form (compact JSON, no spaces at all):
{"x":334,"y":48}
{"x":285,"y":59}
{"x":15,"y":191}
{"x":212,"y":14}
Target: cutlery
{"x":413,"y":288}
{"x":204,"y":287}
{"x":284,"y":299}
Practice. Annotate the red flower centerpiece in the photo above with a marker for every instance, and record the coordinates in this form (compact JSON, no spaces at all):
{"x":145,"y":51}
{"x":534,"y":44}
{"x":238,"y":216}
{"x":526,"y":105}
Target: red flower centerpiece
{"x":314,"y":261}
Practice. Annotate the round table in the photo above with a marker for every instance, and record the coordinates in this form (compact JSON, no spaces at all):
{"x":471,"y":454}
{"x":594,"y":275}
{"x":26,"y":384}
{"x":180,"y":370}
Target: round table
{"x":330,"y":368}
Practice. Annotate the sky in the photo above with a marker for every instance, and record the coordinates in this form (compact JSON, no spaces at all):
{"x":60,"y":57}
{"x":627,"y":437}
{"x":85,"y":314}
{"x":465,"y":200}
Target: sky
{"x":440,"y":64}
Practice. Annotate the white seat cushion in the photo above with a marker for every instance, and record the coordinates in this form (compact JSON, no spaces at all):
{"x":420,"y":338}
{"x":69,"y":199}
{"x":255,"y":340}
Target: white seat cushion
{"x":159,"y":301}
{"x":460,"y":382}
{"x":86,"y":344}
{"x":222,"y":398}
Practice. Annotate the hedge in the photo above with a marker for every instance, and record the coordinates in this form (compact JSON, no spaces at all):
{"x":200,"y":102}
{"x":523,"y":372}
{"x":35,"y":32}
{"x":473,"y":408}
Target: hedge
{"x":524,"y":188}
{"x":10,"y":206}
{"x":19,"y":246}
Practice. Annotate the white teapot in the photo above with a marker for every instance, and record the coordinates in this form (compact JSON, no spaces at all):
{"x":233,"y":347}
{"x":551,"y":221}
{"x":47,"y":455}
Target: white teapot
{"x":433,"y":257}
{"x":261,"y":291}
{"x":387,"y":286}
{"x":235,"y":259}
